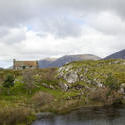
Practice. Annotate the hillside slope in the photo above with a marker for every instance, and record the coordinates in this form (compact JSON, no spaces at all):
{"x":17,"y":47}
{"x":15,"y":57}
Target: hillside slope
{"x":117,"y":55}
{"x":94,"y":80}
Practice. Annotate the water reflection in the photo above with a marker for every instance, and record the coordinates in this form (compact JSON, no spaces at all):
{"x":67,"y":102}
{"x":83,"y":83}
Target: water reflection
{"x":88,"y":116}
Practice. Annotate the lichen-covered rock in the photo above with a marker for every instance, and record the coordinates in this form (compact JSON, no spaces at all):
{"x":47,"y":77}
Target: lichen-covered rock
{"x":122,"y":88}
{"x":91,"y":73}
{"x":64,"y":86}
{"x":68,"y":74}
{"x":71,"y":77}
{"x":62,"y":70}
{"x":48,"y":86}
{"x":99,"y":84}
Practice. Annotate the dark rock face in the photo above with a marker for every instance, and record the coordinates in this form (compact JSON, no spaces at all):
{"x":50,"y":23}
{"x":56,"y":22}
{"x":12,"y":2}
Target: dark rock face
{"x":117,"y":55}
{"x":66,"y":59}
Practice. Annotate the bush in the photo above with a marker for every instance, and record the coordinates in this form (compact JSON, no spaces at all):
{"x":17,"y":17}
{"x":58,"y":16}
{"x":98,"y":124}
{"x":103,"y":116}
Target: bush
{"x":100,"y":94}
{"x":13,"y":115}
{"x":47,"y":74}
{"x":105,"y":95}
{"x":111,"y":82}
{"x":28,"y":78}
{"x":42,"y":98}
{"x":9,"y":81}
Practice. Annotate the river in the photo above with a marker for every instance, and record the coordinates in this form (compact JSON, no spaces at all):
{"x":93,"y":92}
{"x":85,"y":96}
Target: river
{"x":113,"y":115}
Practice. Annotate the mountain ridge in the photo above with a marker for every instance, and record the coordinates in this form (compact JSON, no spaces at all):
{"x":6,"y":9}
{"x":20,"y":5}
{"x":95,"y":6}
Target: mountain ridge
{"x":117,"y":55}
{"x":45,"y":63}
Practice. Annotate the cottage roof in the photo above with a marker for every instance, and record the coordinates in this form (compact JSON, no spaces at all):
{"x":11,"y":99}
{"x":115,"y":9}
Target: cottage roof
{"x":26,"y":63}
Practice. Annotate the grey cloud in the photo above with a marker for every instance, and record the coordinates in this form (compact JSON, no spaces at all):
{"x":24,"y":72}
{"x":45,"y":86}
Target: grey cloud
{"x":59,"y":26}
{"x":48,"y":14}
{"x":89,"y":5}
{"x":14,"y":36}
{"x":3,"y":31}
{"x":15,"y":39}
{"x":107,"y":23}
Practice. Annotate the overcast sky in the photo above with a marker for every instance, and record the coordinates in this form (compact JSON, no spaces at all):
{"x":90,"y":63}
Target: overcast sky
{"x":36,"y":29}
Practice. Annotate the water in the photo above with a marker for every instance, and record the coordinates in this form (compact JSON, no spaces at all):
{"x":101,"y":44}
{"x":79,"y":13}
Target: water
{"x":88,"y":116}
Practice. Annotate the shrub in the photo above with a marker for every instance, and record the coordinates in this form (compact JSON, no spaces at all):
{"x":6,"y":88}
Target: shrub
{"x":28,"y":80}
{"x":47,"y":74}
{"x":105,"y":95}
{"x":13,"y":115}
{"x":42,"y":98}
{"x":100,"y":94}
{"x":50,"y":74}
{"x":111,"y":82}
{"x":9,"y":81}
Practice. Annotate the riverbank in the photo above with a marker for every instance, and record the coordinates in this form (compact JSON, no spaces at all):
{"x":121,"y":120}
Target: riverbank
{"x":85,"y":116}
{"x":21,"y":110}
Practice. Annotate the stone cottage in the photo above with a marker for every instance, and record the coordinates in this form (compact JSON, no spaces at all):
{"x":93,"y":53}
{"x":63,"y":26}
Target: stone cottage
{"x":19,"y":65}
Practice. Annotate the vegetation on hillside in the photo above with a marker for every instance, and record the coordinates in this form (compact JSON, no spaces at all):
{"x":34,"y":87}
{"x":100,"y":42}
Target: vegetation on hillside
{"x":24,"y":93}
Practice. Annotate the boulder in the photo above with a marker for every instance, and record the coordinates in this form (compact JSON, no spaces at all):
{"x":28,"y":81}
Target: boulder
{"x":64,"y":86}
{"x":71,"y":77}
{"x":122,"y":88}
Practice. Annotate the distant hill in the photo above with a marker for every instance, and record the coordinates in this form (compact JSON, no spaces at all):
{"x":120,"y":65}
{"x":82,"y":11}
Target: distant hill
{"x":117,"y":55}
{"x":45,"y":63}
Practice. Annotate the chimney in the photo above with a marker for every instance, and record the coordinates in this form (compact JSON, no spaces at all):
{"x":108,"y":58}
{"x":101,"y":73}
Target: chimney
{"x":37,"y":65}
{"x":14,"y":63}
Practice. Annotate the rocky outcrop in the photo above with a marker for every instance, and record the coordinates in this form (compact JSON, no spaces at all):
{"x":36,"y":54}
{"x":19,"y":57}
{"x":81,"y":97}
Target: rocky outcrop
{"x":72,"y":75}
{"x":68,"y":74}
{"x":86,"y":74}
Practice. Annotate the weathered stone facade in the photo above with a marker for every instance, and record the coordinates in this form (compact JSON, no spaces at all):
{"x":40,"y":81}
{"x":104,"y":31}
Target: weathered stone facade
{"x":20,"y":65}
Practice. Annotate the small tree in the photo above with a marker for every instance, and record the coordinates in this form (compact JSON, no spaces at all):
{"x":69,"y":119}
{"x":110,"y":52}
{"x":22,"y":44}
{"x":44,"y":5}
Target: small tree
{"x":28,"y":78}
{"x":9,"y":81}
